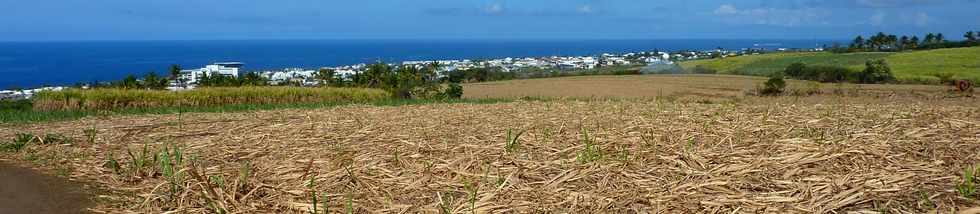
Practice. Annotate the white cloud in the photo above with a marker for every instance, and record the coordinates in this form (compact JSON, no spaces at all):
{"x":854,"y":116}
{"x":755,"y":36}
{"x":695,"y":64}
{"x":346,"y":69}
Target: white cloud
{"x":726,"y":9}
{"x":922,"y":19}
{"x":877,"y":19}
{"x":494,"y":8}
{"x":586,"y":9}
{"x":502,"y":9}
{"x":899,"y":3}
{"x":772,"y":16}
{"x":874,"y":3}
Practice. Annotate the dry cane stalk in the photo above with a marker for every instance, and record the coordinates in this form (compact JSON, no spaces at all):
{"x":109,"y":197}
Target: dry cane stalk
{"x":209,"y":190}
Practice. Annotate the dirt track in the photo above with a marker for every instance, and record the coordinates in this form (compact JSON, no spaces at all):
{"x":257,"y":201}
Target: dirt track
{"x":26,"y":191}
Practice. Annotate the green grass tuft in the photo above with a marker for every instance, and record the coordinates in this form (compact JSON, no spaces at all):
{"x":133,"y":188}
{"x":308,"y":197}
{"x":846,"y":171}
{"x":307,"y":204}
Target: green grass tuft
{"x":591,"y":152}
{"x":968,"y":188}
{"x":170,"y":161}
{"x":112,"y":164}
{"x":513,"y":141}
{"x":140,"y":161}
{"x":349,"y":206}
{"x":20,"y":141}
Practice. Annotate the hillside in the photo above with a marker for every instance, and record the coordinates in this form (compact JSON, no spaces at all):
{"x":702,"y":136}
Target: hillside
{"x":915,"y":66}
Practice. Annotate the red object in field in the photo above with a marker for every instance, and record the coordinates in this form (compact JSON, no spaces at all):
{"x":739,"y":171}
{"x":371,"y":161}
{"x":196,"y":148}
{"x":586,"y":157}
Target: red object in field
{"x":964,"y":85}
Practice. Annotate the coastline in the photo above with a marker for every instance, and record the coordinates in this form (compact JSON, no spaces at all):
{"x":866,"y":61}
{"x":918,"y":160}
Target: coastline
{"x":71,"y":62}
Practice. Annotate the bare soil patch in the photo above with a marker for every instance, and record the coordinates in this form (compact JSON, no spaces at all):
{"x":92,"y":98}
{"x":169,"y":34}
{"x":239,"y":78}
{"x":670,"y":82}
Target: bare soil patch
{"x":24,"y":190}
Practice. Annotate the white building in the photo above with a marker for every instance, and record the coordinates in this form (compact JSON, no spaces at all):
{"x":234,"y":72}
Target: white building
{"x":26,"y":94}
{"x":295,"y":73}
{"x":7,"y":94}
{"x":232,"y":69}
{"x":656,"y":60}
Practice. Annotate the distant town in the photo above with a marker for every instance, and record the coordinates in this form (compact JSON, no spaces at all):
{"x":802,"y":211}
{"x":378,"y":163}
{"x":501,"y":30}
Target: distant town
{"x":189,"y":78}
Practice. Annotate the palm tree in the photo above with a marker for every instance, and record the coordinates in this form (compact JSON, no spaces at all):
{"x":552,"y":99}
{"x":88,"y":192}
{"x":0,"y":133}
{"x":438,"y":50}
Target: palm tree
{"x":858,"y":42}
{"x":903,"y":42}
{"x":930,"y":38}
{"x":377,"y":75}
{"x":892,"y":41}
{"x":326,"y":77}
{"x":253,"y":79}
{"x":175,"y":72}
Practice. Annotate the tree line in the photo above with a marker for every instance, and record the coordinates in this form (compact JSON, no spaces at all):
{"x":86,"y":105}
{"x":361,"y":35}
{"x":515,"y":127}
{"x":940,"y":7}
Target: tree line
{"x":406,"y":81}
{"x":892,"y":43}
{"x":400,"y":81}
{"x":875,"y":71}
{"x":153,"y":81}
{"x":487,"y":74}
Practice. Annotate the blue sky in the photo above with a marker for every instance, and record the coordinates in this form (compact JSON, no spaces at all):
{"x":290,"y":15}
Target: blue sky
{"x":27,"y":20}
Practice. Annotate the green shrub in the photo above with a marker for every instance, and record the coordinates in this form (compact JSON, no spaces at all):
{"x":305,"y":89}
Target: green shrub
{"x":829,"y":73}
{"x":821,"y":73}
{"x":795,"y":70}
{"x":701,"y":69}
{"x":15,"y":105}
{"x":774,"y":86}
{"x":838,"y":74}
{"x":454,"y":91}
{"x":876,"y":71}
{"x":626,"y":72}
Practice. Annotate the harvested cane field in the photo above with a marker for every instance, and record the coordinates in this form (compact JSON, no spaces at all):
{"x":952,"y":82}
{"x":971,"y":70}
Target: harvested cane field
{"x":817,"y":154}
{"x":686,"y":86}
{"x":113,"y":99}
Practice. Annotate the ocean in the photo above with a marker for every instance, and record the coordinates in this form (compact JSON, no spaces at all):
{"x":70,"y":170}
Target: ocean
{"x":35,"y":64}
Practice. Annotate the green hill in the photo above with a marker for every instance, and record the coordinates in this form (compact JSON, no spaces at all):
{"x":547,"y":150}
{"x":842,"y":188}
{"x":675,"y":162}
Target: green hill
{"x":913,"y":66}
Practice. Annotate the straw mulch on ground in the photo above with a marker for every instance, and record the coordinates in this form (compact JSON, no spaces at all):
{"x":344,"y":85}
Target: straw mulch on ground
{"x":768,"y":155}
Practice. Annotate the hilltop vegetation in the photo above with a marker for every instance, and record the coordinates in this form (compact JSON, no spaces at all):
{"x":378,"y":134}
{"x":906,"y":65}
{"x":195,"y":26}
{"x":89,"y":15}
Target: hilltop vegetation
{"x":882,"y":42}
{"x":913,"y":66}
